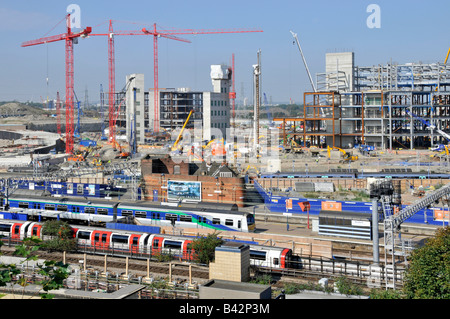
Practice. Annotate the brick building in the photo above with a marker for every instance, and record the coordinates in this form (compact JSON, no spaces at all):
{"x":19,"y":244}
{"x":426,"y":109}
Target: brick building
{"x":218,"y":182}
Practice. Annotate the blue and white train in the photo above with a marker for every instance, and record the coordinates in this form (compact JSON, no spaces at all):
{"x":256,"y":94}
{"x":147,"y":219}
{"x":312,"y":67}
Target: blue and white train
{"x":146,"y":213}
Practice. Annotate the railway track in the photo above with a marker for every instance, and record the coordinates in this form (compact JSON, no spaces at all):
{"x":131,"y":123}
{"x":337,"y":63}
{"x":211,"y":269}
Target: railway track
{"x":118,"y":265}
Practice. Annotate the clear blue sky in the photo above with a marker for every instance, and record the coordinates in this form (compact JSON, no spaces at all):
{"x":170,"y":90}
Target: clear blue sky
{"x":411,"y":31}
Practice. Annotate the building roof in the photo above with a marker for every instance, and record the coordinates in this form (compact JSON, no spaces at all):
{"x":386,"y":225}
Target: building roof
{"x":214,"y":169}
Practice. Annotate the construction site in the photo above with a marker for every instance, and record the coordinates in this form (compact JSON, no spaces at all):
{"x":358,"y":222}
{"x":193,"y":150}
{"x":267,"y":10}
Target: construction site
{"x":364,"y":140}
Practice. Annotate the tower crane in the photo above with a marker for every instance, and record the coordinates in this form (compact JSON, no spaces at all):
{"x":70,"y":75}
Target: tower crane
{"x":69,"y":37}
{"x":58,"y":113}
{"x":111,"y":72}
{"x":171,"y":35}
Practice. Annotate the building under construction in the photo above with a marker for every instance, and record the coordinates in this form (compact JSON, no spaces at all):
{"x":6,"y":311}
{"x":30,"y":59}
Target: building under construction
{"x":388,"y":106}
{"x":211,"y":110}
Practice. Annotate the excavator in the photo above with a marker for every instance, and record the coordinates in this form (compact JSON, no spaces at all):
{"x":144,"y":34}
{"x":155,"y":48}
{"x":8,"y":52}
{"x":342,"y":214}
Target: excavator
{"x":122,"y":153}
{"x":175,"y":146}
{"x":346,"y":157}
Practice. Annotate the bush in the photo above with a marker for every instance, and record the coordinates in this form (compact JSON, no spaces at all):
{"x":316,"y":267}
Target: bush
{"x":204,"y":248}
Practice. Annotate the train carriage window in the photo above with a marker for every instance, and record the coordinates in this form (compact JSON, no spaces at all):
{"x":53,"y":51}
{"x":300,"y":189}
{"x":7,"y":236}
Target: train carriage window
{"x":127,"y":213}
{"x":49,"y":207}
{"x":5,"y":228}
{"x":89,"y":210}
{"x":239,"y":224}
{"x":120,"y":239}
{"x":104,"y":236}
{"x":141,"y":214}
{"x":216,"y":221}
{"x":155,"y":243}
{"x":84,"y":235}
{"x":61,"y":208}
{"x":156,"y":216}
{"x":75,"y":209}
{"x":102,"y":211}
{"x":135,"y":240}
{"x":171,"y":217}
{"x":276,"y":261}
{"x":172,"y":244}
{"x":23,"y":205}
{"x":186,"y":218}
{"x":229,"y":222}
{"x":257,"y":255}
{"x":97,"y":237}
{"x":34,"y":231}
{"x":250,"y":219}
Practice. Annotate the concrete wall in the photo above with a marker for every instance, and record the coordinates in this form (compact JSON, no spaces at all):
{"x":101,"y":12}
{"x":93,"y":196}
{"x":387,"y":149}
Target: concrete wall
{"x":341,"y":61}
{"x":135,"y":109}
{"x":231,"y":263}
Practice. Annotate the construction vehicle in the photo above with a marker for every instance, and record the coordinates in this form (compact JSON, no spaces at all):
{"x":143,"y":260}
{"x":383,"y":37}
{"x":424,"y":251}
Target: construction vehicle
{"x":293,"y":147}
{"x":122,"y":153}
{"x":175,"y":147}
{"x":346,"y":156}
{"x":366,"y":149}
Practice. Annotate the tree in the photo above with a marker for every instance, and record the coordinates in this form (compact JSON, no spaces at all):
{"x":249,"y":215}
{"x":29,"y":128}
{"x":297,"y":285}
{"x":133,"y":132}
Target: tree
{"x":54,"y":273}
{"x":204,"y":248}
{"x":428,"y":274}
{"x":59,"y":236}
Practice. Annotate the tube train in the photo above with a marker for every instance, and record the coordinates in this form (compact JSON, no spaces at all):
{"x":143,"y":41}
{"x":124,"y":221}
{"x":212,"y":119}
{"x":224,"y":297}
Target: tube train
{"x":217,"y":216}
{"x":101,"y":240}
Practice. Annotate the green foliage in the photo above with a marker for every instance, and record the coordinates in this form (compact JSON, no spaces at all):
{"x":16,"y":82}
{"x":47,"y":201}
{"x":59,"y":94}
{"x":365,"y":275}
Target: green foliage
{"x":386,"y":294}
{"x":294,"y":288}
{"x":428,"y":274}
{"x":57,"y":228}
{"x":60,"y":234}
{"x":265,"y":279}
{"x":204,"y":248}
{"x":54,"y":275}
{"x":344,"y":286}
{"x":54,"y":272}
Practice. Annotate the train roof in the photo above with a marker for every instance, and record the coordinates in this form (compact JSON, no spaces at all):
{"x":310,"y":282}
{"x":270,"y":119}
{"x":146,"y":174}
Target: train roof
{"x":183,"y":206}
{"x":65,"y":200}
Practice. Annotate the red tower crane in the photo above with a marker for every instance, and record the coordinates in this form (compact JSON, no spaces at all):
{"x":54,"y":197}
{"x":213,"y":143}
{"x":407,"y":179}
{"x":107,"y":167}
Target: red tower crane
{"x":69,"y":37}
{"x":169,"y":34}
{"x":112,"y":76}
{"x":58,"y":113}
